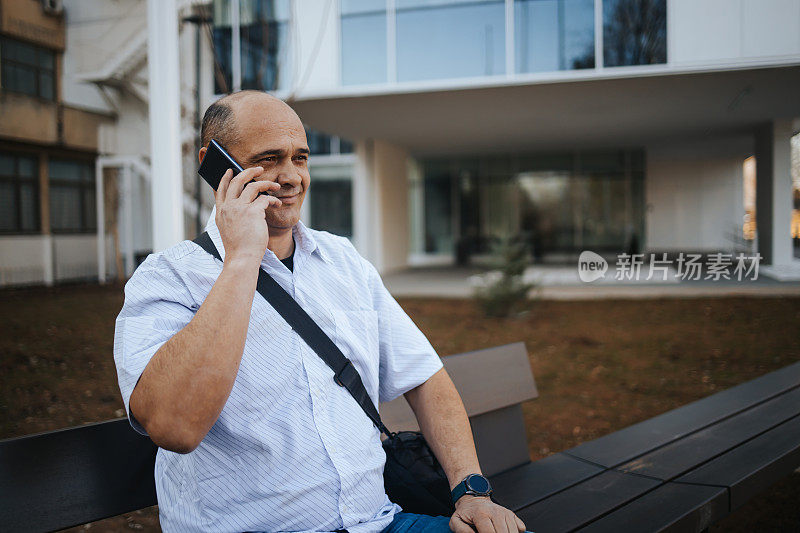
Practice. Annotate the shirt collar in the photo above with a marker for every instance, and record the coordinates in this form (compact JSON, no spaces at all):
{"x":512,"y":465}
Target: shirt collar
{"x":303,"y":239}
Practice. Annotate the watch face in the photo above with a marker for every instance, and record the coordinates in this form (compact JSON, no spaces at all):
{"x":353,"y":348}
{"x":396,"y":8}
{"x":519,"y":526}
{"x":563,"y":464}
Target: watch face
{"x":478,"y":483}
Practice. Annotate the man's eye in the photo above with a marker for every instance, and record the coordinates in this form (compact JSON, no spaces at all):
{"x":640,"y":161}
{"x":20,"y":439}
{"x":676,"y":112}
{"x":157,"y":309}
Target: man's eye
{"x":302,"y":157}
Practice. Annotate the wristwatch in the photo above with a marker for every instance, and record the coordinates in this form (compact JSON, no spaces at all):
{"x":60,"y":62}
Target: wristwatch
{"x":474,"y":484}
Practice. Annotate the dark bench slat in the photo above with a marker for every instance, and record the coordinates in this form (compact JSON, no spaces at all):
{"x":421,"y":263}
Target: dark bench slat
{"x":671,"y":507}
{"x":624,"y":445}
{"x":683,"y":455}
{"x":754,"y":466}
{"x":580,"y":505}
{"x":532,"y":482}
{"x":73,"y":476}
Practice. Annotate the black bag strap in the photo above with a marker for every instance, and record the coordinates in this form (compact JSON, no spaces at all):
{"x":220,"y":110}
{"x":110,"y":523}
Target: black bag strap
{"x":344,"y":373}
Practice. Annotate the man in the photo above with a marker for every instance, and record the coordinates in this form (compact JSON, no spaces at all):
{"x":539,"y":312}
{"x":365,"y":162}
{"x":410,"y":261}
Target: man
{"x":253,"y":432}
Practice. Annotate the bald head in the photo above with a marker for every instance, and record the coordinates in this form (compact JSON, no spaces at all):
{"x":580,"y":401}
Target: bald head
{"x":219,"y":120}
{"x":259,"y":130}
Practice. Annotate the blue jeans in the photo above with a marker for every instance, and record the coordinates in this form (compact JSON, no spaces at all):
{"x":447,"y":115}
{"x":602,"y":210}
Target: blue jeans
{"x":409,"y":522}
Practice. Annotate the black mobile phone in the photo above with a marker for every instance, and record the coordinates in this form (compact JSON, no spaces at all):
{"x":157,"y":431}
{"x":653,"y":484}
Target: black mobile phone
{"x":215,"y":163}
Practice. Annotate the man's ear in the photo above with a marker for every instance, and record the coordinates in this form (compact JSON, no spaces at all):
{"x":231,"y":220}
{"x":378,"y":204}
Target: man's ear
{"x":201,"y":154}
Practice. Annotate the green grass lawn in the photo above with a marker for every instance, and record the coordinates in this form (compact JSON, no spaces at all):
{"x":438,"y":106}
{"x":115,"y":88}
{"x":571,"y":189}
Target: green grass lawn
{"x":599,"y":366}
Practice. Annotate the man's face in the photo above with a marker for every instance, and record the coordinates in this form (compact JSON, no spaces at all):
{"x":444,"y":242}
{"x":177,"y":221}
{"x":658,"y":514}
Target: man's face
{"x":271,"y":136}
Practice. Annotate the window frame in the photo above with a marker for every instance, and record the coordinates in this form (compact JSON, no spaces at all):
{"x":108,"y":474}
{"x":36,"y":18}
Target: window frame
{"x":37,"y":69}
{"x":16,"y":181}
{"x":83,"y":186}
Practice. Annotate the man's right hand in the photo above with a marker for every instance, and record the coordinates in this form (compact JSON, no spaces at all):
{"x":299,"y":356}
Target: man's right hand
{"x":241,"y":214}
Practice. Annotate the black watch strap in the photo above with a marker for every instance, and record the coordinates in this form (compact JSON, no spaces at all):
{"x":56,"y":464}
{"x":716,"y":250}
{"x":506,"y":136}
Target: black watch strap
{"x":465,"y":488}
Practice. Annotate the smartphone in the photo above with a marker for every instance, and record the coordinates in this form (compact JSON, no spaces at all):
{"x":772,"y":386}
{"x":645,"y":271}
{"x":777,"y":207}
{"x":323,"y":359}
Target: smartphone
{"x":215,"y":163}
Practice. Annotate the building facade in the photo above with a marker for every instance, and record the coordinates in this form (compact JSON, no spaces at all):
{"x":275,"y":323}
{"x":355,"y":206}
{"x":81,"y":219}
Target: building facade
{"x":437,"y":127}
{"x":609,"y":125}
{"x":48,"y":147}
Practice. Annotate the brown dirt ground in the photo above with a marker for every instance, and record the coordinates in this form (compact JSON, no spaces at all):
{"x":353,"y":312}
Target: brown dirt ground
{"x":599,"y":366}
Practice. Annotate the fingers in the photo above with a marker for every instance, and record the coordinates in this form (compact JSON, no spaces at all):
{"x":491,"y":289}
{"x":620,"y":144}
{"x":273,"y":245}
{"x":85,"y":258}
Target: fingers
{"x":511,"y":524}
{"x":484,"y":524}
{"x":252,"y":189}
{"x":520,"y":524}
{"x":237,"y":184}
{"x":457,"y":525}
{"x":265,"y":201}
{"x":222,"y":188}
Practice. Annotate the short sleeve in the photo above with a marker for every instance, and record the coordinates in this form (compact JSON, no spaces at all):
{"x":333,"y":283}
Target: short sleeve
{"x":157,"y":305}
{"x":407,"y":358}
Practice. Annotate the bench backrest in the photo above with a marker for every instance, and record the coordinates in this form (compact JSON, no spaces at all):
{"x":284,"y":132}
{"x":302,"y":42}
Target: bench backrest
{"x":73,"y":476}
{"x":492,"y":383}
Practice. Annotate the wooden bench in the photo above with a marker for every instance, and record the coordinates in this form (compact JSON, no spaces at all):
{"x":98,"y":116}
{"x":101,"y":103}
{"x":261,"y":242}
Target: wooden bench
{"x":73,"y":476}
{"x":680,"y":471}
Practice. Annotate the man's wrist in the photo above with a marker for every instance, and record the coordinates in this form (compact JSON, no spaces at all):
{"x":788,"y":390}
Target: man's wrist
{"x":474,"y":485}
{"x":241,"y":262}
{"x":466,"y":498}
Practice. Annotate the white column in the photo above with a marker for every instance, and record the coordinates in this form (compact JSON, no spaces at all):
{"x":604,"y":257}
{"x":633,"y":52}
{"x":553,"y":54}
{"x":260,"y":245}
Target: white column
{"x":390,"y":227}
{"x":101,"y":222}
{"x":127,"y":216}
{"x":236,"y":47}
{"x":47,"y":259}
{"x":364,"y":233}
{"x":509,"y":44}
{"x":165,"y":137}
{"x":774,"y":192}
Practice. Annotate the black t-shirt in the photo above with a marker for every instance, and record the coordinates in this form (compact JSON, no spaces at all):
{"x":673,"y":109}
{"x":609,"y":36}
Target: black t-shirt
{"x":289,"y":261}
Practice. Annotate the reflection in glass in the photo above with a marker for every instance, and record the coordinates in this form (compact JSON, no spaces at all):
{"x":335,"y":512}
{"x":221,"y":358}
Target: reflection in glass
{"x":557,"y":203}
{"x":634,"y":32}
{"x":363,"y":42}
{"x":554,"y":35}
{"x":264,"y":27}
{"x":438,"y":39}
{"x":437,"y":191}
{"x":221,"y":36}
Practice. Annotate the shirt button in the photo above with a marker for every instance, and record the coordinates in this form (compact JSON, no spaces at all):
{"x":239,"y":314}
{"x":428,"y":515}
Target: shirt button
{"x":344,"y":508}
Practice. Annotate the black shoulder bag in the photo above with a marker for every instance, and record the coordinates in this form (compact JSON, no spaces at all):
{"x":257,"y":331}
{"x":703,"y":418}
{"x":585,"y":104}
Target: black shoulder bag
{"x":413,"y":477}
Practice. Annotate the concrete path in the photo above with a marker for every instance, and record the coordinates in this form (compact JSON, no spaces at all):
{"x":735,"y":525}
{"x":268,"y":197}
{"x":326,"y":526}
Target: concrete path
{"x":562,"y":283}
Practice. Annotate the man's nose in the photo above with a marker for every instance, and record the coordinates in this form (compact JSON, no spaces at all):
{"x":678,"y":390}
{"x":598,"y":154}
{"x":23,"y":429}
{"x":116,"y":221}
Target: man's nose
{"x":288,"y":176}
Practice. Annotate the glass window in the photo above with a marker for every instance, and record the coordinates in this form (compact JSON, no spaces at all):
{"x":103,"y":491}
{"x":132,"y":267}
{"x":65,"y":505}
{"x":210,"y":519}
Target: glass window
{"x":634,"y":32}
{"x":263,"y":29}
{"x":221,"y":33}
{"x":438,"y":206}
{"x":554,"y":35}
{"x":27,"y":69}
{"x":332,"y":206}
{"x":363,"y":28}
{"x":19,"y":194}
{"x":345,"y":146}
{"x":559,"y":203}
{"x":323,"y":144}
{"x":72,"y":196}
{"x":319,"y":143}
{"x":439,"y":39}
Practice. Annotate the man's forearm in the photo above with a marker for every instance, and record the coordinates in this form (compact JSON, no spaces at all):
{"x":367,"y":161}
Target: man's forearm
{"x":188,"y":380}
{"x":444,"y":422}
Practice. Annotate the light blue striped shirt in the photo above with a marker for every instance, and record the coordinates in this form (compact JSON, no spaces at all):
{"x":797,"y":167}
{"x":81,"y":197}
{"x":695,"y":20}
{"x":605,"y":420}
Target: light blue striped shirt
{"x":291,"y":450}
